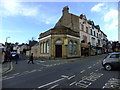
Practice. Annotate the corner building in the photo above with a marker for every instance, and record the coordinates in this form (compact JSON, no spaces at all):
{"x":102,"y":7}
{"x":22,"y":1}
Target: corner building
{"x":69,"y":38}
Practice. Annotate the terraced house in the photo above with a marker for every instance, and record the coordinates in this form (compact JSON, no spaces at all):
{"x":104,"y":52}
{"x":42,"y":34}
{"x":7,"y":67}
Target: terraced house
{"x":72,"y":36}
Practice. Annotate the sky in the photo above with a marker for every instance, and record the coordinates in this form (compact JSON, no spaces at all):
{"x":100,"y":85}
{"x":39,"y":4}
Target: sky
{"x":24,"y":21}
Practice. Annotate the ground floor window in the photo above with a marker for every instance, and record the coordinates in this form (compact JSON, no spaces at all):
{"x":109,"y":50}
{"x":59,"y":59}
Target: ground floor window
{"x":75,"y":48}
{"x":70,"y":47}
{"x":41,"y":47}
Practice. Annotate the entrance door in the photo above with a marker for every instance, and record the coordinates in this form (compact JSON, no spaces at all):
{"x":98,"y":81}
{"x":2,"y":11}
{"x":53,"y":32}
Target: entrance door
{"x":58,"y":51}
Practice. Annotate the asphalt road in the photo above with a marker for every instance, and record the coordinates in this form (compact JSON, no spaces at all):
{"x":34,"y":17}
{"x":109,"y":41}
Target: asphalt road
{"x":73,"y":73}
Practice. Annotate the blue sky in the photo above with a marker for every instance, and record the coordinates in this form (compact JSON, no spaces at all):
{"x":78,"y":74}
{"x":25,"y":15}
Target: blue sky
{"x":23,"y":20}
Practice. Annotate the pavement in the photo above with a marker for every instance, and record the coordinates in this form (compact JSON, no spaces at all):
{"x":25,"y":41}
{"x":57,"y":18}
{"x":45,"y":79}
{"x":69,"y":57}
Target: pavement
{"x":7,"y":67}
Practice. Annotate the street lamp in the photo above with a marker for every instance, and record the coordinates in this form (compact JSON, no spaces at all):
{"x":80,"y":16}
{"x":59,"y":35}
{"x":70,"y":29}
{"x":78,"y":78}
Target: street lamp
{"x":7,"y":38}
{"x":6,"y":42}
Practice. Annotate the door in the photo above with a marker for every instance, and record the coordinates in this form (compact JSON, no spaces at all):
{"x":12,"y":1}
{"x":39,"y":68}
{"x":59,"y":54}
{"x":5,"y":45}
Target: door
{"x":58,"y":51}
{"x":114,"y":60}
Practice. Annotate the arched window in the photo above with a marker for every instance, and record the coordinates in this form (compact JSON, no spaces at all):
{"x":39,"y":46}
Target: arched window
{"x":41,"y":47}
{"x":47,"y":43}
{"x":44,"y":44}
{"x":70,"y":47}
{"x":75,"y":48}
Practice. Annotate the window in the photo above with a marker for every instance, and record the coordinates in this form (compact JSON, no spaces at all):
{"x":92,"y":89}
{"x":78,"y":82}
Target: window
{"x":86,"y":29}
{"x":70,"y":47}
{"x":75,"y":48}
{"x":114,"y":56}
{"x":85,"y":38}
{"x":44,"y":47}
{"x":82,"y":27}
{"x":91,"y":32}
{"x":41,"y":47}
{"x":47,"y":47}
{"x":97,"y":34}
{"x":94,"y":33}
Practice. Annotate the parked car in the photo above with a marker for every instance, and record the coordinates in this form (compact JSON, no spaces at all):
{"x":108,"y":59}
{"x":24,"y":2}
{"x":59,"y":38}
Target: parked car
{"x":14,"y":55}
{"x":112,"y":60}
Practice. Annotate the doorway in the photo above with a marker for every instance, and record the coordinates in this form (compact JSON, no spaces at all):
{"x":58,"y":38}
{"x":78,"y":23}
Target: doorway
{"x":58,"y":51}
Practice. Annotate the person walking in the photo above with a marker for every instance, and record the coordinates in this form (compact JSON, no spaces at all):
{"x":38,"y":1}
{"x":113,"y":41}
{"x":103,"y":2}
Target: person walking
{"x":31,"y":59}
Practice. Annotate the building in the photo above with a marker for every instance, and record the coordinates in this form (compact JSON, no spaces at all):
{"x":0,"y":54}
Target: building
{"x":59,"y":42}
{"x":72,"y":36}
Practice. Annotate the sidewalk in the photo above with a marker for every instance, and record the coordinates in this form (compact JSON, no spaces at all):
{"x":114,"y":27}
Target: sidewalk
{"x":6,"y":67}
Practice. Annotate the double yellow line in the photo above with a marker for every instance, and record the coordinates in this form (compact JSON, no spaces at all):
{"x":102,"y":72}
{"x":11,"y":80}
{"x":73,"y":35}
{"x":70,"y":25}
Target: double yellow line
{"x":10,"y":69}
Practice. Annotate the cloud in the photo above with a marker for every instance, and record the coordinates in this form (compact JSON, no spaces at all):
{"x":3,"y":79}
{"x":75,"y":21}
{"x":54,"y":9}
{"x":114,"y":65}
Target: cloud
{"x":97,"y":8}
{"x":111,"y":19}
{"x":14,"y":8}
{"x":38,"y":12}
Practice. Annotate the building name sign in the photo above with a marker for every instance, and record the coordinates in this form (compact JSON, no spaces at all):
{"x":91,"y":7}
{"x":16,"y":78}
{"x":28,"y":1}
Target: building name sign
{"x":65,"y":41}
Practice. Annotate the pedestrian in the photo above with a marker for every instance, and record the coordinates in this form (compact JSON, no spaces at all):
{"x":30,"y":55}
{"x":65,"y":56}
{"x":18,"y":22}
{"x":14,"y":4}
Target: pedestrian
{"x":9,"y":57}
{"x":5,"y":57}
{"x":31,"y":59}
{"x":16,"y":58}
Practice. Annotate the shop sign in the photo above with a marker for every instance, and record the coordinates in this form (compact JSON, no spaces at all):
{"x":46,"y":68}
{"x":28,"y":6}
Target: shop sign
{"x":65,"y":41}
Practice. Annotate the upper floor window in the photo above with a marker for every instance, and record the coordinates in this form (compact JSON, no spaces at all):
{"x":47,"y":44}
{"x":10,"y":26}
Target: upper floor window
{"x":94,"y":33}
{"x":86,"y":29}
{"x":85,"y":38}
{"x":91,"y":31}
{"x":82,"y":27}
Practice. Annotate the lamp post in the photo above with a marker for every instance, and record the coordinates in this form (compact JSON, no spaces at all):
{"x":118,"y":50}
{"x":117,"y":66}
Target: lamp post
{"x":6,"y":42}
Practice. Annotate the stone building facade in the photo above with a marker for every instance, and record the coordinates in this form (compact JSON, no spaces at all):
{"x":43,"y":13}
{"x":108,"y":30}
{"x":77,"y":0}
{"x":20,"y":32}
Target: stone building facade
{"x":72,"y":36}
{"x":59,"y":42}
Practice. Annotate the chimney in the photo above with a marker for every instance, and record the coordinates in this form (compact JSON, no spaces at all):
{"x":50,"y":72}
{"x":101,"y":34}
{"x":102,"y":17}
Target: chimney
{"x":65,"y":10}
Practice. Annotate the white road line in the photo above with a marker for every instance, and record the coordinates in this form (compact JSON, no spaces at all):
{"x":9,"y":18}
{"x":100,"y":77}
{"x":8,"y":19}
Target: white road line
{"x":51,"y":83}
{"x":89,"y":67}
{"x":96,"y":70}
{"x":53,"y":87}
{"x":82,"y":71}
{"x":33,"y":70}
{"x":4,"y":77}
{"x":16,"y":74}
{"x":9,"y":78}
{"x":71,"y":77}
{"x":64,"y":76}
{"x":39,"y":70}
{"x":25,"y":72}
{"x":73,"y":83}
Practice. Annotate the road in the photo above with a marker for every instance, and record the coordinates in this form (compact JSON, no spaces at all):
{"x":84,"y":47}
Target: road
{"x":73,"y":73}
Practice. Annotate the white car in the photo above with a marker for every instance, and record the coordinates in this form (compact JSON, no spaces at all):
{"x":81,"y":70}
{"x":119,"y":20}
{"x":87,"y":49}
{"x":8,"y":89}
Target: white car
{"x":112,"y":60}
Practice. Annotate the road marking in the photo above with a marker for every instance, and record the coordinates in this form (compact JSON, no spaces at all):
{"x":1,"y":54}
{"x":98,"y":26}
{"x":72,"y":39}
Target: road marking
{"x":16,"y":74}
{"x":96,"y":70}
{"x":4,"y":76}
{"x":25,"y":72}
{"x":64,"y":76}
{"x":33,"y":70}
{"x":39,"y":70}
{"x":9,"y":78}
{"x":89,"y":67}
{"x":73,"y":83}
{"x":51,"y":83}
{"x":53,"y":87}
{"x":71,"y":77}
{"x":82,"y":71}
